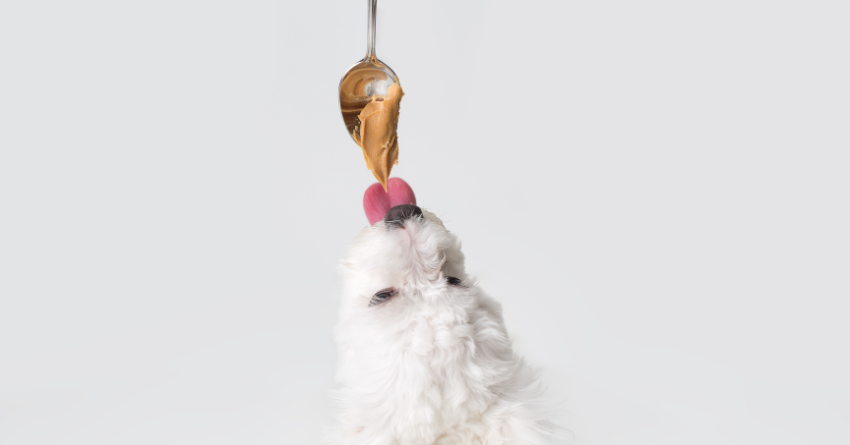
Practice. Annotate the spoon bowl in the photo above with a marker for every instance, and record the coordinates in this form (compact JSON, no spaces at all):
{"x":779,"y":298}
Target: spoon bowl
{"x":368,"y":80}
{"x":360,"y":85}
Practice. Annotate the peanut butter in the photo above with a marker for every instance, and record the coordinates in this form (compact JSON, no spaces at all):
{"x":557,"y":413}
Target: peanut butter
{"x":377,"y":135}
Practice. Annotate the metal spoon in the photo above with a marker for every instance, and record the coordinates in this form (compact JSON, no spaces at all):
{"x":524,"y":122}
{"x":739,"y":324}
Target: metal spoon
{"x":367,"y":78}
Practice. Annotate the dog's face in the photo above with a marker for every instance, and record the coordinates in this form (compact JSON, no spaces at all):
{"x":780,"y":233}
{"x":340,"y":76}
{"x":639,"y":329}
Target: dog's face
{"x":407,"y":302}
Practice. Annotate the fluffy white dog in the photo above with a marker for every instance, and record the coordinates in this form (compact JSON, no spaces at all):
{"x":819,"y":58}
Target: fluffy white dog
{"x":424,"y":357}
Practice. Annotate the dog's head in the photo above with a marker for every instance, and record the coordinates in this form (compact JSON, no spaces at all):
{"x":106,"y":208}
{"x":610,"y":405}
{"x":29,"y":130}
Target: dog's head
{"x":408,"y":302}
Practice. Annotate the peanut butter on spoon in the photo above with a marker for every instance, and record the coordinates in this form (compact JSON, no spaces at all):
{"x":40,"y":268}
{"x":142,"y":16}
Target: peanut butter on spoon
{"x":369,"y":95}
{"x":378,"y":133}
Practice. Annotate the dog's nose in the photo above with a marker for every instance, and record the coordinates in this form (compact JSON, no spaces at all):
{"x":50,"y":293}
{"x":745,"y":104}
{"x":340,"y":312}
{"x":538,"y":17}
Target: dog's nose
{"x":397,"y":215}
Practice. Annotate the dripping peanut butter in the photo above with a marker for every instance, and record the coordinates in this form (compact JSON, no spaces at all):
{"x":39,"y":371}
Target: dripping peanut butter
{"x":377,"y":136}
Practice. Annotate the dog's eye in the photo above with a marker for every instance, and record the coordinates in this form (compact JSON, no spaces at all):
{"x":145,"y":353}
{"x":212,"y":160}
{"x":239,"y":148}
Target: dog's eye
{"x":381,"y":297}
{"x":454,"y":281}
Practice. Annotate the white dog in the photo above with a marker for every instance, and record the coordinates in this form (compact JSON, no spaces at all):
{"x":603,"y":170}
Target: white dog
{"x":424,"y":358}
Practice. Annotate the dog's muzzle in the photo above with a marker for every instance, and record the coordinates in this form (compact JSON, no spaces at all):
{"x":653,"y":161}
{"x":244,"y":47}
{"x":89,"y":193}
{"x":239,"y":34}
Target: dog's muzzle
{"x":398,"y":214}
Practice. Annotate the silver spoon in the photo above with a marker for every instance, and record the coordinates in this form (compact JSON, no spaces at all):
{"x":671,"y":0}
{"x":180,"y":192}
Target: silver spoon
{"x":368,"y":77}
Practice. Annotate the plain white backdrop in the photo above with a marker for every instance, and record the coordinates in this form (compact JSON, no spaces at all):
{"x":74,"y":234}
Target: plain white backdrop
{"x":656,"y":191}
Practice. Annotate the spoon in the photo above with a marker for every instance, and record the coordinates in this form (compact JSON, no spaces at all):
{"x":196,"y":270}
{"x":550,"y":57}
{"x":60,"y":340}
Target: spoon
{"x":367,"y":78}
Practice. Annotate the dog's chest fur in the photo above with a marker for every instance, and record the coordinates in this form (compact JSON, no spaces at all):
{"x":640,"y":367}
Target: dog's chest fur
{"x":450,"y":362}
{"x":441,"y":371}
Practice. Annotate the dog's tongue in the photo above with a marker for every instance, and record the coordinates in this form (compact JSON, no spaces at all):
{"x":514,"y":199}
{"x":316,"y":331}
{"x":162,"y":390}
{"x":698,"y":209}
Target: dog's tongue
{"x":377,"y":202}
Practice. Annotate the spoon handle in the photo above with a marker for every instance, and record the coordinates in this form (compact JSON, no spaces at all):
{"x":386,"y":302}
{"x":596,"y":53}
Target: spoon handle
{"x":370,"y":42}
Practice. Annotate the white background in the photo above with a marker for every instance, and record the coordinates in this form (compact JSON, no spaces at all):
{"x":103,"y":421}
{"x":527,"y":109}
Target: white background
{"x":657,"y":191}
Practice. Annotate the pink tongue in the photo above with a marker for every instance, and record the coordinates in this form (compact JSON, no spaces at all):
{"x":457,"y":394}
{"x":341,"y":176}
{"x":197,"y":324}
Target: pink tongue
{"x":377,"y":202}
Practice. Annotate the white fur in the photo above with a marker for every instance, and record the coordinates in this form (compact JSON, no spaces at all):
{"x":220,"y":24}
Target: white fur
{"x":433,"y":365}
